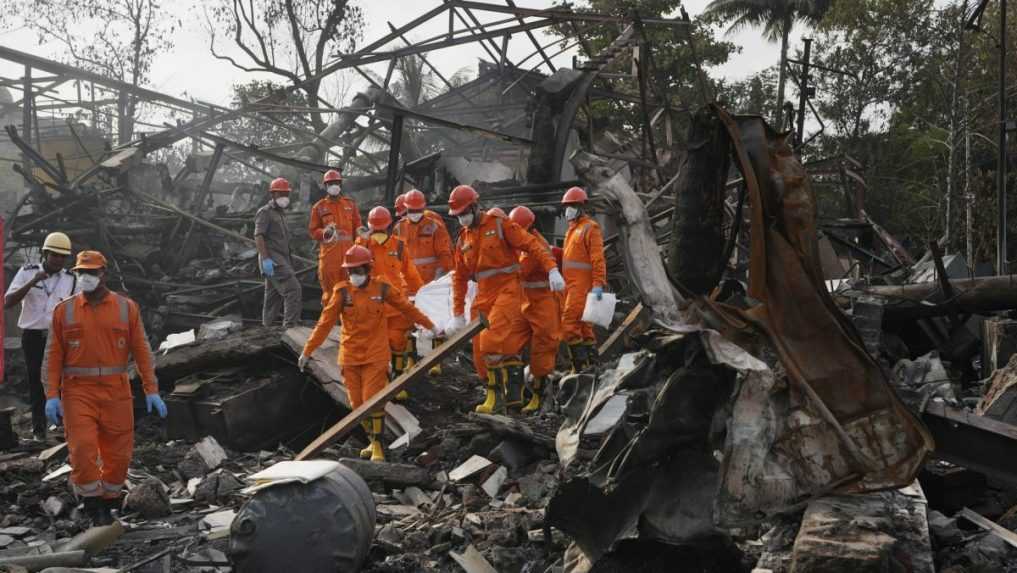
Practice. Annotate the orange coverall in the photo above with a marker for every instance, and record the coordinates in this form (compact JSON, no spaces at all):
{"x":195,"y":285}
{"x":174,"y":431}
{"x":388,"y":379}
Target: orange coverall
{"x":583,"y":267}
{"x":341,"y":212}
{"x":392,"y":262}
{"x":541,"y":310}
{"x":87,"y":354}
{"x":363,"y":348}
{"x":487,"y":253}
{"x":429,"y":244}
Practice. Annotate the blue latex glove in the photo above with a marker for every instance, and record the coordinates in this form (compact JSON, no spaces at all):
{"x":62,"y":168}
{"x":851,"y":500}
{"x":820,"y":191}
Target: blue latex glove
{"x":598,"y":291}
{"x":155,"y":400}
{"x":54,"y":411}
{"x":268,"y":267}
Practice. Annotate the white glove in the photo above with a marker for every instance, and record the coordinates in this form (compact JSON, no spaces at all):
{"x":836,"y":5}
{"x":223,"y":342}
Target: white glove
{"x":456,"y":324}
{"x":430,"y":332}
{"x":302,"y":362}
{"x":555,"y":280}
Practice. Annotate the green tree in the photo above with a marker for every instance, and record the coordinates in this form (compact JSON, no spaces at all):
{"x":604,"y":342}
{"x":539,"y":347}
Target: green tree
{"x":776,"y":18}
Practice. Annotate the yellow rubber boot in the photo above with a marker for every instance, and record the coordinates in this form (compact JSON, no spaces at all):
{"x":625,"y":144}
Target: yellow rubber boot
{"x":377,"y":427}
{"x":536,"y":387}
{"x":366,"y":452}
{"x":514,"y":384}
{"x":494,"y":402}
{"x":436,"y":369}
{"x":399,"y":365}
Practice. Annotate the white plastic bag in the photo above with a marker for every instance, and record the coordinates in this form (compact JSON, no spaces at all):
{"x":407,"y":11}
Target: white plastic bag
{"x":600,"y":312}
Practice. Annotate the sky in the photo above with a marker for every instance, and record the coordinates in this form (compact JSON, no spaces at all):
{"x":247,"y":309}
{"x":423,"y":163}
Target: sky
{"x":190,"y":71}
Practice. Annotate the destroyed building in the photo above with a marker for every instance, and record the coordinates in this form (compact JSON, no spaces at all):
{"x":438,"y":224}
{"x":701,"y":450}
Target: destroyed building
{"x":785,"y":387}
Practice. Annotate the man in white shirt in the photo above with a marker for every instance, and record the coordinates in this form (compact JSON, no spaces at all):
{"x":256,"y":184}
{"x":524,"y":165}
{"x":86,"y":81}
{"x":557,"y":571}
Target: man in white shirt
{"x":39,"y":287}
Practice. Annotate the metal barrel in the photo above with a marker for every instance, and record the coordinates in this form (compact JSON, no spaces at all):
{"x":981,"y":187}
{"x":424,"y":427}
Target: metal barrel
{"x":324,"y":526}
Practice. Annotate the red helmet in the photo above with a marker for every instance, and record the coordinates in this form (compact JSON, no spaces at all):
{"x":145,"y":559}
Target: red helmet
{"x":461,"y":198}
{"x":379,"y":219}
{"x":415,"y":200}
{"x":574,"y":195}
{"x":357,"y":256}
{"x":279,"y":185}
{"x":400,"y":205}
{"x":497,"y":211}
{"x":522,"y":216}
{"x":330,"y":176}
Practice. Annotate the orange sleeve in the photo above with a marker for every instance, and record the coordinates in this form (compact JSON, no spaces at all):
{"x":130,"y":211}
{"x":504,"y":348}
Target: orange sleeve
{"x":53,"y":359}
{"x":520,"y":240}
{"x":595,"y":246}
{"x":141,"y":351}
{"x":402,"y":304}
{"x":314,"y":225}
{"x":460,"y":284}
{"x":410,"y":273}
{"x":329,"y":317}
{"x":443,"y":245}
{"x":356,"y":216}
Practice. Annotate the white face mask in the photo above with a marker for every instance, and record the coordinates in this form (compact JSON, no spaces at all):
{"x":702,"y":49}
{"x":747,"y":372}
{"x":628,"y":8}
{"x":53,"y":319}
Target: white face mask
{"x":358,"y":280}
{"x":333,"y":190}
{"x":416,"y":217}
{"x":571,"y":213}
{"x":282,"y":202}
{"x":466,"y":220}
{"x":88,"y":282}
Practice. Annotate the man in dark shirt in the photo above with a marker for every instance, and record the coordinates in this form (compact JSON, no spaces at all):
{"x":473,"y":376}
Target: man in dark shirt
{"x":272,"y":236}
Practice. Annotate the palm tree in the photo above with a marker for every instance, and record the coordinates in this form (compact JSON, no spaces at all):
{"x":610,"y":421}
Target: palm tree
{"x":777,"y":18}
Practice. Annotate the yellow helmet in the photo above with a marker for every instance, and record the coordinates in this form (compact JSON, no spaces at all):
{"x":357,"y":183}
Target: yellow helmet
{"x":59,"y":243}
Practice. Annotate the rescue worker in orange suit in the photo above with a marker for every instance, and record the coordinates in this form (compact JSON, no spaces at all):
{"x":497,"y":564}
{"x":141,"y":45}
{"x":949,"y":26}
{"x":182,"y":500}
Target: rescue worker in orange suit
{"x":392,"y":262}
{"x":585,"y":274}
{"x":426,"y":237}
{"x":333,"y":224}
{"x":428,"y":241}
{"x":93,"y":336}
{"x":400,"y":207}
{"x":361,"y":304}
{"x":486,"y":251}
{"x":540,"y":309}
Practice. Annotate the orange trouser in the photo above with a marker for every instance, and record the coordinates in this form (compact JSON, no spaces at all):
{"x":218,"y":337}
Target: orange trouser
{"x":578,"y":283}
{"x":330,"y":273}
{"x":99,"y":428}
{"x":364,"y":380}
{"x":427,"y":272}
{"x":500,"y":300}
{"x":541,"y":311}
{"x":399,"y":328}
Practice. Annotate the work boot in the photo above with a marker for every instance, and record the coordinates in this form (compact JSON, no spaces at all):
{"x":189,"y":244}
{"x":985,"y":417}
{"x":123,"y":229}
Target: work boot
{"x":592,"y":356}
{"x":377,"y":427}
{"x":494,"y":401}
{"x":112,"y":504}
{"x":401,"y":362}
{"x":514,"y":383}
{"x":97,"y":511}
{"x":436,"y":369}
{"x":366,"y":452}
{"x":536,"y":387}
{"x":577,"y":355}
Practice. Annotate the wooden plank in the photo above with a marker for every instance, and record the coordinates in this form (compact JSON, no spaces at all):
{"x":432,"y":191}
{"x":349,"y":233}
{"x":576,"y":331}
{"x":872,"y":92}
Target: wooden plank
{"x":624,"y":328}
{"x":985,"y":523}
{"x":419,"y":370}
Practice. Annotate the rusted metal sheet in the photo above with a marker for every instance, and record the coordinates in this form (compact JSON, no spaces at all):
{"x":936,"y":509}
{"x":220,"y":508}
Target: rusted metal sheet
{"x":845,"y":430}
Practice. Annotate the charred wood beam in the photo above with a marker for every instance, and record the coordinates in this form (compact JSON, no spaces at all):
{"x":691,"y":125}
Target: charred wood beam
{"x":857,"y":249}
{"x":533,"y":39}
{"x":696,"y":255}
{"x":972,"y":441}
{"x":497,"y":55}
{"x":977,"y":295}
{"x":34,"y":156}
